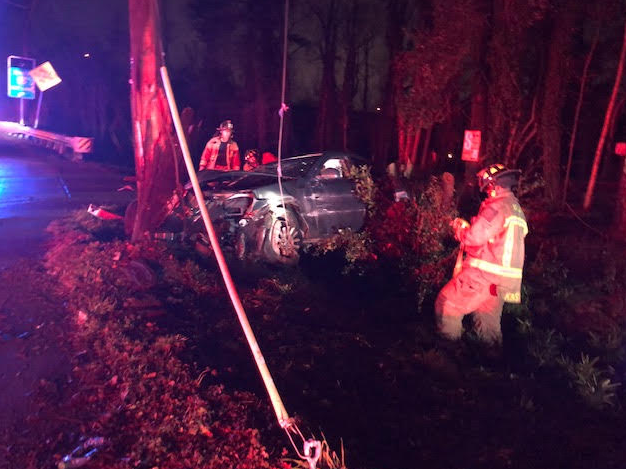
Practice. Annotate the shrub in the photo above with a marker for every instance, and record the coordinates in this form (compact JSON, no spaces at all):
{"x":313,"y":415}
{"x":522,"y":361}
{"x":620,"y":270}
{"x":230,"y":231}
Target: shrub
{"x":592,"y":383}
{"x":411,"y":235}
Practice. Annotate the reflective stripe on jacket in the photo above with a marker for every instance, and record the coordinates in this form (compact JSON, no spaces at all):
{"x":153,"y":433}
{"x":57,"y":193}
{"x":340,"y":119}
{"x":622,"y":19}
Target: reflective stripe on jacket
{"x":211,"y":150}
{"x":494,"y":243}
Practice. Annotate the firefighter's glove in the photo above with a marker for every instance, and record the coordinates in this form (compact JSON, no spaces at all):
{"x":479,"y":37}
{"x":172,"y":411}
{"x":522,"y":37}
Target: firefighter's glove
{"x":459,"y":226}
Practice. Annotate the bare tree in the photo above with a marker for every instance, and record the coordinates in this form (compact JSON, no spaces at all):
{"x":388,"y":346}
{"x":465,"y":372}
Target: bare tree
{"x":349,"y":88}
{"x":398,"y":15}
{"x":328,"y":15}
{"x":579,"y":102}
{"x":605,"y":127}
{"x":554,"y":96}
{"x":426,"y":75}
{"x":512,"y":92}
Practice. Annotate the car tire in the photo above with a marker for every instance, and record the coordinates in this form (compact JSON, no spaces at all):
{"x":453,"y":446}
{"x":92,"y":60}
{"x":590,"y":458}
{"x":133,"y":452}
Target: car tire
{"x":129,"y":218}
{"x":283,"y":240}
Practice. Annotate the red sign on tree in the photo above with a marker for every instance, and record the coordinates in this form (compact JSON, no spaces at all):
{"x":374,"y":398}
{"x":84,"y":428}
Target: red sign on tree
{"x":471,"y":145}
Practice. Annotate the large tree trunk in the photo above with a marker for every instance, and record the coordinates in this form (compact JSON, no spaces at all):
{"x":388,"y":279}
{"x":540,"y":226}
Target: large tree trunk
{"x":327,"y":104}
{"x":389,"y":131}
{"x":556,"y":76}
{"x":478,"y":121}
{"x":348,"y":89}
{"x":261,"y":107}
{"x":424,"y":162}
{"x":605,"y":127}
{"x":155,"y":163}
{"x":366,"y":73}
{"x":263,"y":83}
{"x":327,"y":115}
{"x":409,"y":135}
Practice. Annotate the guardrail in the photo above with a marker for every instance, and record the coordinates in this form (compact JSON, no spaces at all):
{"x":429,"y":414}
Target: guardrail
{"x":73,"y":147}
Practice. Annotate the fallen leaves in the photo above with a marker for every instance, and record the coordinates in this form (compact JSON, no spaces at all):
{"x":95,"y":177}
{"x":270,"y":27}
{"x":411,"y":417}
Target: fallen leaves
{"x":128,"y":381}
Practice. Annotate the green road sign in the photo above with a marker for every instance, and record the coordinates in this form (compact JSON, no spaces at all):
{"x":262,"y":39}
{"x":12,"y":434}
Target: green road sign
{"x":19,"y":83}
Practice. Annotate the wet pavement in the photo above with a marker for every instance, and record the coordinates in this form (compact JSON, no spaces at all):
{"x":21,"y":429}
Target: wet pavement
{"x":37,"y":186}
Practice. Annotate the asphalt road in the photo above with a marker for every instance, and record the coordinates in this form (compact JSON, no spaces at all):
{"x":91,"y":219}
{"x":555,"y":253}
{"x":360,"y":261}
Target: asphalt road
{"x":37,"y":186}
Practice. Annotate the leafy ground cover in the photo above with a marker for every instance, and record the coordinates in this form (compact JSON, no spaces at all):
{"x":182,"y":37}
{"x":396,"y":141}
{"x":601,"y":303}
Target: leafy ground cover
{"x":118,"y":375}
{"x":150,"y":354}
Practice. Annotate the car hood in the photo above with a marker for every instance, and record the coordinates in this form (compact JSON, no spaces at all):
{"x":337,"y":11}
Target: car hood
{"x":234,"y":181}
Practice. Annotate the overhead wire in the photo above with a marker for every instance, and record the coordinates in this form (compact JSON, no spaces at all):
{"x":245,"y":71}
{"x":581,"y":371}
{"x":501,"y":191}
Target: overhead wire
{"x":312,"y":448}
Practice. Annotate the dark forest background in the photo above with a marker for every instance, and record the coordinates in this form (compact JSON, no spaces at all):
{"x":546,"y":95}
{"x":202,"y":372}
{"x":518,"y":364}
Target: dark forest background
{"x":393,"y":80}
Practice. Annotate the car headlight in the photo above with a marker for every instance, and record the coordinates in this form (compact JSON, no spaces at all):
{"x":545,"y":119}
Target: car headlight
{"x":237,"y":205}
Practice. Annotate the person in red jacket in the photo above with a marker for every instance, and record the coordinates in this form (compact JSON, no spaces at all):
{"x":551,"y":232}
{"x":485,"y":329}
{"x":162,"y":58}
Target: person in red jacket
{"x":491,"y":273}
{"x":268,"y":157}
{"x":221,"y":152}
{"x":251,"y":160}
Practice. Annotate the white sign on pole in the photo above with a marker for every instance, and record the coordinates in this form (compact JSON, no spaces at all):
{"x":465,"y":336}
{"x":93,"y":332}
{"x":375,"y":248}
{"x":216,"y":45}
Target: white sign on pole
{"x":471,"y":145}
{"x":45,"y":76}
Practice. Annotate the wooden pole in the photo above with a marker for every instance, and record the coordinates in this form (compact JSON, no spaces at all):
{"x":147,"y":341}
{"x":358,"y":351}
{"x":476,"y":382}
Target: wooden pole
{"x":279,"y":408}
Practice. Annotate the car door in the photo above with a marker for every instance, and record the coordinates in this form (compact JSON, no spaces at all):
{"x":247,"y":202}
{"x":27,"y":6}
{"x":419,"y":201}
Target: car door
{"x":334,"y":199}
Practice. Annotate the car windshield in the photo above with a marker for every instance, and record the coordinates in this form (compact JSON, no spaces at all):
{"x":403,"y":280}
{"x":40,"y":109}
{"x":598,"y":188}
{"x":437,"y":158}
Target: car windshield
{"x":291,"y":167}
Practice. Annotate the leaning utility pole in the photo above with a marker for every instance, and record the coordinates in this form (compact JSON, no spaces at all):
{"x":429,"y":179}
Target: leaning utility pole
{"x":605,"y":128}
{"x":155,"y":152}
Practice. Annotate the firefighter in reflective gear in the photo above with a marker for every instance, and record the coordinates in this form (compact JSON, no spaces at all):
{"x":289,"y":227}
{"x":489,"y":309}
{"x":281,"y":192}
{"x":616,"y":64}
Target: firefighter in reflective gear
{"x":221,"y":152}
{"x":491,"y":273}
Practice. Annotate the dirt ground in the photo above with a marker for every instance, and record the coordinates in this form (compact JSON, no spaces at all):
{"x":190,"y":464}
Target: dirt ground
{"x":355,"y":359}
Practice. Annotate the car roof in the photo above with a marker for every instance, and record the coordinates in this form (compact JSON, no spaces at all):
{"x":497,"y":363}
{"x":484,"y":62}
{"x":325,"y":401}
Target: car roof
{"x":328,"y":154}
{"x":308,"y":155}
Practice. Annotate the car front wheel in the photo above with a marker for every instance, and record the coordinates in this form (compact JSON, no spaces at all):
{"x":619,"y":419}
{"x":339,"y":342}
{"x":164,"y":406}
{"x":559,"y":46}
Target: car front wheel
{"x":283,"y":240}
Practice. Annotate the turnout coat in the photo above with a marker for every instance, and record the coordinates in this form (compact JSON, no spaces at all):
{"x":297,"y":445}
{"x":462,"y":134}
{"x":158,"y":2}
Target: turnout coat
{"x":209,"y":155}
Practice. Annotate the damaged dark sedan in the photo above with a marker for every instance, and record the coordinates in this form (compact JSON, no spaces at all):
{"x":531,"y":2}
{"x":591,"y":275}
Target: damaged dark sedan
{"x":261,"y":216}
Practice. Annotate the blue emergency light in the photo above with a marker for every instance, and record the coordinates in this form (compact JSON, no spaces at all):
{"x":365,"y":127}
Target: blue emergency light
{"x":19,"y":83}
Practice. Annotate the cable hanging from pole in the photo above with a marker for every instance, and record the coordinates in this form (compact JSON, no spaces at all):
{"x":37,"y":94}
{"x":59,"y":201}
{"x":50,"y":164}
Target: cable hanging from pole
{"x":283,"y":105}
{"x":281,"y":127}
{"x":312,"y":448}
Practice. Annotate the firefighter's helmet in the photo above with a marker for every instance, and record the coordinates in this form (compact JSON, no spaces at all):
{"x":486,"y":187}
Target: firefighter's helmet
{"x":226,"y":125}
{"x":498,"y":175}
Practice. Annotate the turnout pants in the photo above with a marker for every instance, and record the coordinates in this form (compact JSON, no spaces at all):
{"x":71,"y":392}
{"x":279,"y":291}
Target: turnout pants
{"x":469,"y":292}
